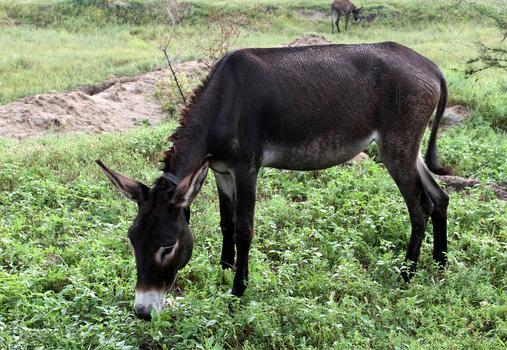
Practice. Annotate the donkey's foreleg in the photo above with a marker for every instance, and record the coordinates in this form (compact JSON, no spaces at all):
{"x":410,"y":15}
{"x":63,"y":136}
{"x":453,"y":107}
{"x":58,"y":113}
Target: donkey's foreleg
{"x":226,"y":194}
{"x":243,"y":231}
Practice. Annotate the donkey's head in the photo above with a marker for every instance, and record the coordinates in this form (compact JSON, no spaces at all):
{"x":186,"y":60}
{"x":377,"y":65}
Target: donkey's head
{"x":160,"y":235}
{"x":356,"y":11}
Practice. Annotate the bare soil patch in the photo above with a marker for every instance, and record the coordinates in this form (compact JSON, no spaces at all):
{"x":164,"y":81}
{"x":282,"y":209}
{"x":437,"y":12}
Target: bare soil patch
{"x":456,"y":114}
{"x":361,"y":157}
{"x":308,"y":40}
{"x":313,"y":15}
{"x":116,"y":104}
{"x":453,"y":115}
{"x":458,"y":184}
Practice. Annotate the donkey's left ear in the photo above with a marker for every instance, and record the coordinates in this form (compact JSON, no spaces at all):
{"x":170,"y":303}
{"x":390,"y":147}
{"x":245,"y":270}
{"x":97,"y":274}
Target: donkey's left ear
{"x":189,"y":186}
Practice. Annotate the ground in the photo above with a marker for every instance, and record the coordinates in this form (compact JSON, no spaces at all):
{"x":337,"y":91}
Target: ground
{"x":328,"y":245}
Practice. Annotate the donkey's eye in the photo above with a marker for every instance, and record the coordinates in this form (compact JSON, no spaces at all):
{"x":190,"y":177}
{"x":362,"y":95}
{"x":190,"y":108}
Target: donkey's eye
{"x":165,"y":251}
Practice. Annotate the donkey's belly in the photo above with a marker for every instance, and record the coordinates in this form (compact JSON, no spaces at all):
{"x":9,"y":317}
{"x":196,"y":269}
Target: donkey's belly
{"x":319,"y":153}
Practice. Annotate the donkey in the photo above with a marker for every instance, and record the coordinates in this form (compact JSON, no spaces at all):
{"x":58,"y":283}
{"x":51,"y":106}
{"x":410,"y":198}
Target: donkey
{"x":299,"y":108}
{"x":343,"y":8}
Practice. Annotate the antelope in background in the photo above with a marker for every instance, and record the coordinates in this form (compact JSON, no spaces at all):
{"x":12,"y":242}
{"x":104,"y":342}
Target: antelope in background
{"x":343,"y":8}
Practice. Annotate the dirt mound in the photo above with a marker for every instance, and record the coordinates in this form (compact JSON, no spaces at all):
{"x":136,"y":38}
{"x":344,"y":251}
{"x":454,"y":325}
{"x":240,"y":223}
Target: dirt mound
{"x":313,"y":15}
{"x":455,"y":115}
{"x":500,"y":191}
{"x":308,"y":40}
{"x":116,"y":104}
{"x":458,"y":184}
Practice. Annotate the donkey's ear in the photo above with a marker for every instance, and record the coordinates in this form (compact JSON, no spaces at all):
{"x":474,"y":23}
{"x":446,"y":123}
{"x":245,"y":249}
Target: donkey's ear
{"x":132,"y":189}
{"x":188,"y":188}
{"x":359,"y":9}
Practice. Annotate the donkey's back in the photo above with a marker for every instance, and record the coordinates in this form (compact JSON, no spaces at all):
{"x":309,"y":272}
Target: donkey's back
{"x":317,"y":106}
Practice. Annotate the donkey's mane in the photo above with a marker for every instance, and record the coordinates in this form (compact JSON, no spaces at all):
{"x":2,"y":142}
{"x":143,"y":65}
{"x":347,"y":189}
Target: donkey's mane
{"x":186,"y":126}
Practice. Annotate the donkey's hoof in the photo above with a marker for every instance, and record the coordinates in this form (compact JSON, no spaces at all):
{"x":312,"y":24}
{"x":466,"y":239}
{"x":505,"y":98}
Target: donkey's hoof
{"x":407,"y":272}
{"x":406,"y":276}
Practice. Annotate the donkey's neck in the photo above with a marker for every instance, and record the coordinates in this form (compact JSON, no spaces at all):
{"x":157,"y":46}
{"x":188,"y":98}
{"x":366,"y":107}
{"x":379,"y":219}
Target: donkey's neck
{"x":190,"y":144}
{"x":190,"y":140}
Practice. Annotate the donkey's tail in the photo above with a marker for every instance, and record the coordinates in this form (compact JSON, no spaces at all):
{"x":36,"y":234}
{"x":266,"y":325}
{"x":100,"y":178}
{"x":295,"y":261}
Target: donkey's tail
{"x":431,"y":158}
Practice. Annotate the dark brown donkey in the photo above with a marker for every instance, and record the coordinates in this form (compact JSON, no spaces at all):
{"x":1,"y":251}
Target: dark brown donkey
{"x":343,"y":8}
{"x":298,"y":108}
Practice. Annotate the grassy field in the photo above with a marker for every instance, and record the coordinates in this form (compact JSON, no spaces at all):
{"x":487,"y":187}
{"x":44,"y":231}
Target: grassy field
{"x":328,"y":245}
{"x":324,"y":264}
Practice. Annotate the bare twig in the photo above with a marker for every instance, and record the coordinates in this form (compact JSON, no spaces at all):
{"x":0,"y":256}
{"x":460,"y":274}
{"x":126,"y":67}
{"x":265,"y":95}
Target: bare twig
{"x":173,"y":11}
{"x":164,"y":50}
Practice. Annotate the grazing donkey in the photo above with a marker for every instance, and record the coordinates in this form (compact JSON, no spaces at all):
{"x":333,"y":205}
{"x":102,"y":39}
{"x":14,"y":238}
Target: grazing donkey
{"x":343,"y":8}
{"x":299,"y":108}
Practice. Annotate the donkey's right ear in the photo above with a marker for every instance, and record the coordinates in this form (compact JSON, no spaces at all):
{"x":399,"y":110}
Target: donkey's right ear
{"x":132,"y":189}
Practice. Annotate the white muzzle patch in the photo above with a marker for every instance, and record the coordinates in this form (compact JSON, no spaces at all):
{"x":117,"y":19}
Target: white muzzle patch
{"x":150,"y":299}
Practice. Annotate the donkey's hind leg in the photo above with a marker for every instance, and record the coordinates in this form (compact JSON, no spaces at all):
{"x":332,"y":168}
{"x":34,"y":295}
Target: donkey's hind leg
{"x":401,"y":164}
{"x":440,"y":201}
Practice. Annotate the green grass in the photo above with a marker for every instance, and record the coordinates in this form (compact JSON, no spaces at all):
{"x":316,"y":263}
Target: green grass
{"x":324,"y":263}
{"x":37,"y":61}
{"x":328,"y":245}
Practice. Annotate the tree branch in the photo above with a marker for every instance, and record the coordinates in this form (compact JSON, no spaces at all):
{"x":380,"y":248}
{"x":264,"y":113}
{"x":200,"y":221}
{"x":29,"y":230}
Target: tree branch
{"x":173,"y":11}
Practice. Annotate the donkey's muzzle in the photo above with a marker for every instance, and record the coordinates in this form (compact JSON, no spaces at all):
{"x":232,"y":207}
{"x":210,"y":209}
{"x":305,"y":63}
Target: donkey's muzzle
{"x":148,"y":300}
